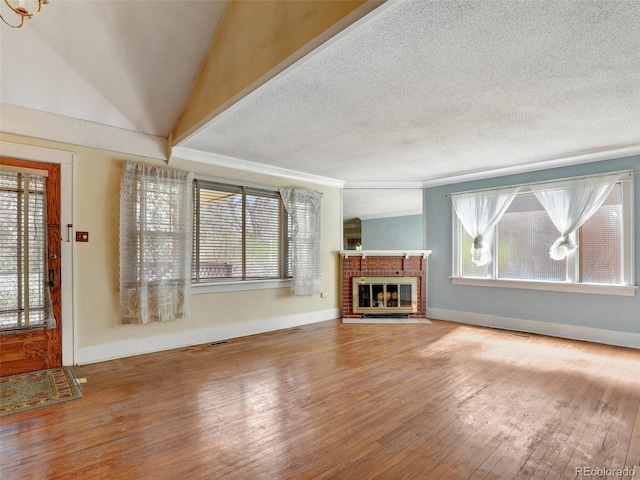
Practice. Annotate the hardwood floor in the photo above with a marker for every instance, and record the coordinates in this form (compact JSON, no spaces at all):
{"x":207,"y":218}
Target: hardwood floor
{"x":439,"y":401}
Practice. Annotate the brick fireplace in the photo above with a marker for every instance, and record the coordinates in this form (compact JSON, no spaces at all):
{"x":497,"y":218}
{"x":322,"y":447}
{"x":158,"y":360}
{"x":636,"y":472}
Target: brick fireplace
{"x":381,"y":267}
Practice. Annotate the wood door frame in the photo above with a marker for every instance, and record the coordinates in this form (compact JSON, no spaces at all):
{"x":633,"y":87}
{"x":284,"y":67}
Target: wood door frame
{"x":67,"y":162}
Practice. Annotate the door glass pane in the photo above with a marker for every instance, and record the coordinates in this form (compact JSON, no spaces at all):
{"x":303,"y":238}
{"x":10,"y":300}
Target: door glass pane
{"x":378,"y":295}
{"x":392,"y":296}
{"x":405,"y":295}
{"x":364,"y":296}
{"x":23,"y":269}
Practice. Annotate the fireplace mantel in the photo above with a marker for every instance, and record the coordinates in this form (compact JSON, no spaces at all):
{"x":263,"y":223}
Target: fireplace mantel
{"x":385,"y":253}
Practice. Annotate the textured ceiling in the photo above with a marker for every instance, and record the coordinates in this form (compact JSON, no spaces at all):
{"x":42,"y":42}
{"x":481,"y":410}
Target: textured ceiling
{"x":423,"y":90}
{"x":417,"y":90}
{"x":126,"y":64}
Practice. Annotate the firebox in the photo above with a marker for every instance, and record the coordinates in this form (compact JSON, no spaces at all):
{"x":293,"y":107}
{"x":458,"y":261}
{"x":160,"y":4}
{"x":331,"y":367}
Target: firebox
{"x":385,"y":295}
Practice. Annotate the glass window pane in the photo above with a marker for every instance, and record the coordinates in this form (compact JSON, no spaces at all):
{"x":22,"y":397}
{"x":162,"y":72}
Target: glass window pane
{"x":263,"y":237}
{"x":220,"y":234}
{"x":470,"y":269}
{"x":525,"y":234}
{"x":601,"y":242}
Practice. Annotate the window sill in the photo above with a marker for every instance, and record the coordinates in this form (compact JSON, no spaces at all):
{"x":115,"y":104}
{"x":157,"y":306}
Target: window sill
{"x":238,"y":286}
{"x":592,"y":288}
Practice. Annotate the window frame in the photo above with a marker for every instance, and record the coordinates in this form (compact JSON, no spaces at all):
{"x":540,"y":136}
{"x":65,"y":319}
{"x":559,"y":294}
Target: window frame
{"x":241,"y":284}
{"x":626,"y":288}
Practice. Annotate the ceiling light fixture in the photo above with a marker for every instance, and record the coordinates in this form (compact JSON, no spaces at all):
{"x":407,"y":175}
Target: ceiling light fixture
{"x":22,"y":12}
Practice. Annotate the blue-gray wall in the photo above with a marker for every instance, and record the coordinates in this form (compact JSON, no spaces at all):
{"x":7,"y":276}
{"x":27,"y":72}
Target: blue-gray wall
{"x":392,"y":233}
{"x":615,"y":313}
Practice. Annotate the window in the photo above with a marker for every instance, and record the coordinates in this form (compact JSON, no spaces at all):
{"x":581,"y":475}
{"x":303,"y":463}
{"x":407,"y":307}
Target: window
{"x":155,"y":243}
{"x":521,"y":240}
{"x":239,"y":234}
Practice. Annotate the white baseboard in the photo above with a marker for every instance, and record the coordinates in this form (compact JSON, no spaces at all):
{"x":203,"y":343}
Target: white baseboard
{"x":596,"y":335}
{"x":128,"y":348}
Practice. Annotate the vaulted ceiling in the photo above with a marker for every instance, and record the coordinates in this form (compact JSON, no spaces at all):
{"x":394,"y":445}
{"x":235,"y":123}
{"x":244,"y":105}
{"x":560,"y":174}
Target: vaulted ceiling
{"x":408,"y":91}
{"x":125,"y":64}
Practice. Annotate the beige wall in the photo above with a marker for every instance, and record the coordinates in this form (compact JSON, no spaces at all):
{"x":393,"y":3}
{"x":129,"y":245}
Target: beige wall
{"x":97,"y":190}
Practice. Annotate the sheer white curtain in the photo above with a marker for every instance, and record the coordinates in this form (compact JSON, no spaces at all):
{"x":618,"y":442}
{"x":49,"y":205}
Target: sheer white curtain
{"x":305,"y":229}
{"x":156,"y":220}
{"x":479,"y":212}
{"x":570,"y":204}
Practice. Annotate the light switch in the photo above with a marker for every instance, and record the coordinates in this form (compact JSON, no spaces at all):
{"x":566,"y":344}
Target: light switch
{"x":82,"y":236}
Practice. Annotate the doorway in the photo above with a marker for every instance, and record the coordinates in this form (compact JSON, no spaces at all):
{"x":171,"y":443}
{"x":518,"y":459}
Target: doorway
{"x":30,"y":308}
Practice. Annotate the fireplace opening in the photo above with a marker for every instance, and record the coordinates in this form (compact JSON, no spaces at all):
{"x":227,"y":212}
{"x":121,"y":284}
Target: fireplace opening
{"x":385,"y":295}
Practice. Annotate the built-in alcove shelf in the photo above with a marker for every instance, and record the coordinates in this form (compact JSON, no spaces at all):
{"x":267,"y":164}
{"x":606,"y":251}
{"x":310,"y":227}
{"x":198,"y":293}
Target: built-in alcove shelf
{"x":389,"y":271}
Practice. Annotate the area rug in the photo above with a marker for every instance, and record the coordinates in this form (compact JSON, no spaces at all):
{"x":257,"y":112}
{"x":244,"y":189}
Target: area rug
{"x":26,"y":391}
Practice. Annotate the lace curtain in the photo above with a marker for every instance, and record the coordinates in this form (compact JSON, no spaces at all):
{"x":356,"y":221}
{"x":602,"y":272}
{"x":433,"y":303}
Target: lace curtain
{"x":305,"y":228}
{"x":479,"y":212}
{"x":156,"y":220}
{"x":570,"y":204}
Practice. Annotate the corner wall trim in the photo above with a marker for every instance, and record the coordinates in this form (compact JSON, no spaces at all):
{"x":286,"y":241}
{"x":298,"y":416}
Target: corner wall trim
{"x":573,"y":332}
{"x":140,"y":346}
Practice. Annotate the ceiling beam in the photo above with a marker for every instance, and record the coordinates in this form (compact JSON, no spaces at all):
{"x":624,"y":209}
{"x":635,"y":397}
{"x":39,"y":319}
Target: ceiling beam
{"x":255,"y":41}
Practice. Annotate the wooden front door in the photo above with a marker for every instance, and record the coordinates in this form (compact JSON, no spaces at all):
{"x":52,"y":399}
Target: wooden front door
{"x":26,"y":348}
